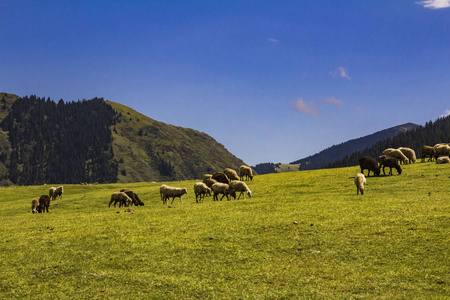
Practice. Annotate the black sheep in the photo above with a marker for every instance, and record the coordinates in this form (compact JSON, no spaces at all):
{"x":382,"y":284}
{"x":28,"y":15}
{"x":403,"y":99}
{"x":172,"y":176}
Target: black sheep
{"x":370,"y":164}
{"x":44,"y":203}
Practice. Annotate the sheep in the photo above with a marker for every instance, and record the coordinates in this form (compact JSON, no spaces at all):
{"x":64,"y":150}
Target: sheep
{"x":387,"y":151}
{"x":442,"y":150}
{"x":201,"y":189}
{"x":240,"y":186}
{"x":169,"y":191}
{"x":58,"y":192}
{"x":245,"y":171}
{"x":409,"y":153}
{"x":206,"y":177}
{"x":443,"y":160}
{"x":398,"y":155}
{"x":136,"y":200}
{"x":120,"y":197}
{"x":360,"y":181}
{"x":222,"y":188}
{"x":391,"y":162}
{"x":44,"y":203}
{"x":220,"y":177}
{"x":51,"y":192}
{"x":370,"y":164}
{"x":210,"y":182}
{"x":35,"y":206}
{"x":232,"y":174}
{"x":428,"y":151}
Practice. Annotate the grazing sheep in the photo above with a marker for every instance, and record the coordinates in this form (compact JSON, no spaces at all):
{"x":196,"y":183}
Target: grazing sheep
{"x":390,"y":162}
{"x":201,"y":189}
{"x":443,"y":160}
{"x":136,"y":200}
{"x":222,"y":188}
{"x":173,"y":192}
{"x":428,"y":151}
{"x":58,"y":192}
{"x":409,"y":153}
{"x":360,"y":181}
{"x":44,"y":203}
{"x":120,"y":197}
{"x":370,"y":164}
{"x":240,"y":186}
{"x":398,"y":155}
{"x":245,"y":171}
{"x":210,"y":182}
{"x":206,"y":177}
{"x":220,"y":177}
{"x":35,"y":206}
{"x":51,"y":192}
{"x":442,"y":150}
{"x":231,"y":174}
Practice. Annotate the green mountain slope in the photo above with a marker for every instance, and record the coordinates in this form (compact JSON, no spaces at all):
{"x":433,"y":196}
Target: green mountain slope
{"x":148,"y":150}
{"x":98,"y":141}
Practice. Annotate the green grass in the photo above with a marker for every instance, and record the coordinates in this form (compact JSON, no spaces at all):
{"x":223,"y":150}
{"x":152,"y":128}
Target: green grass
{"x":303,"y":235}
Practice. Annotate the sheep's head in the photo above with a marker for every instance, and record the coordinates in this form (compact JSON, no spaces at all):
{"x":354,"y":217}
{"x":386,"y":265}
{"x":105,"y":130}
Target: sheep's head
{"x":249,"y":193}
{"x":184,"y":190}
{"x":208,"y":191}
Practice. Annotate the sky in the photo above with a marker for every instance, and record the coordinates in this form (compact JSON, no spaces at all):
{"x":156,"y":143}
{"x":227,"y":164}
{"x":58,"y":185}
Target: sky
{"x":273,"y":81}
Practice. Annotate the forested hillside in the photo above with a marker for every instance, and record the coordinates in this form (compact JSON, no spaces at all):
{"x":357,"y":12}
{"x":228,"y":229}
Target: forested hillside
{"x":42,"y":141}
{"x":430,"y":134}
{"x":59,"y":142}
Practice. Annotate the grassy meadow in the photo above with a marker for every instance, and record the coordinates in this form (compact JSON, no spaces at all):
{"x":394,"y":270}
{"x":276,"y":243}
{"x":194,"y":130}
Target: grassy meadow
{"x":303,"y":235}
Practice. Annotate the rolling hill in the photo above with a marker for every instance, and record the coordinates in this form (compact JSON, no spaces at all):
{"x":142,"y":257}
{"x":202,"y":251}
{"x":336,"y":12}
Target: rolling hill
{"x":98,"y":141}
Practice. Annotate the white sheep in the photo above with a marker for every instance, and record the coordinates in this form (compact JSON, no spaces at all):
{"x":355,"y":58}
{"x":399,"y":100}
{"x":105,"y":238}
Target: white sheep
{"x":442,"y":150}
{"x":51,"y":192}
{"x":35,"y":206}
{"x":387,"y":151}
{"x":443,"y":160}
{"x":409,"y":153}
{"x":240,"y":186}
{"x":222,"y":188}
{"x":173,"y":192}
{"x":245,"y":171}
{"x":231,"y":174}
{"x":360,"y":181}
{"x":201,"y":189}
{"x":397,"y":154}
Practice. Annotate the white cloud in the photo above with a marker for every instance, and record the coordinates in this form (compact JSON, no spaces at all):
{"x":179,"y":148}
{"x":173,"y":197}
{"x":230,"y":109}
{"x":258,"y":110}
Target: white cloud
{"x":306,"y":108}
{"x":272,"y":40}
{"x":435,"y":4}
{"x":445,"y":114}
{"x":340,"y":72}
{"x":333,"y":101}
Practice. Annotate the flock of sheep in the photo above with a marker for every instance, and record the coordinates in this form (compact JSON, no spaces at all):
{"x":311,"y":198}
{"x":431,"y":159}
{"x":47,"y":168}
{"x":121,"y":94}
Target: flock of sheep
{"x":392,"y":158}
{"x":42,"y":203}
{"x":226,"y":183}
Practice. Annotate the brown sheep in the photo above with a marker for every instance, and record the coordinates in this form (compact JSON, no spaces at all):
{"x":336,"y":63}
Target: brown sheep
{"x":133,"y":196}
{"x":51,"y":191}
{"x":44,"y":203}
{"x":232,"y":174}
{"x":57,"y":192}
{"x":120,"y":197}
{"x":245,"y":171}
{"x":370,"y":164}
{"x":35,"y":206}
{"x":206,"y":177}
{"x":390,"y":162}
{"x":220,"y":177}
{"x":428,"y":151}
{"x":210,"y":182}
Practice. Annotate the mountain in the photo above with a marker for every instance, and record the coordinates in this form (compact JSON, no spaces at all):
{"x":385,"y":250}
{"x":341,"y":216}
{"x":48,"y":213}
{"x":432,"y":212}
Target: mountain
{"x":338,"y":152}
{"x":98,"y":141}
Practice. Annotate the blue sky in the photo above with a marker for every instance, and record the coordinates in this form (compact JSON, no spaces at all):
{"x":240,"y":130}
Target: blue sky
{"x":273,"y":81}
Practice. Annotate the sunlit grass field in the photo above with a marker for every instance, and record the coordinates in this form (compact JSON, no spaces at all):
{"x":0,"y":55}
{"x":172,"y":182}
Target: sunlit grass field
{"x":303,"y":235}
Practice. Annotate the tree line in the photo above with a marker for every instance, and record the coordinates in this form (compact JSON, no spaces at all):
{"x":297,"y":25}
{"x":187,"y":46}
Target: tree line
{"x":59,"y":142}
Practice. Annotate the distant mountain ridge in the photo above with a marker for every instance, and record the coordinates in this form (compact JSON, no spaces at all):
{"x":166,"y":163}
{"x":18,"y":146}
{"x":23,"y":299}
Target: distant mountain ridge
{"x":334,"y":153}
{"x":89,"y":141}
